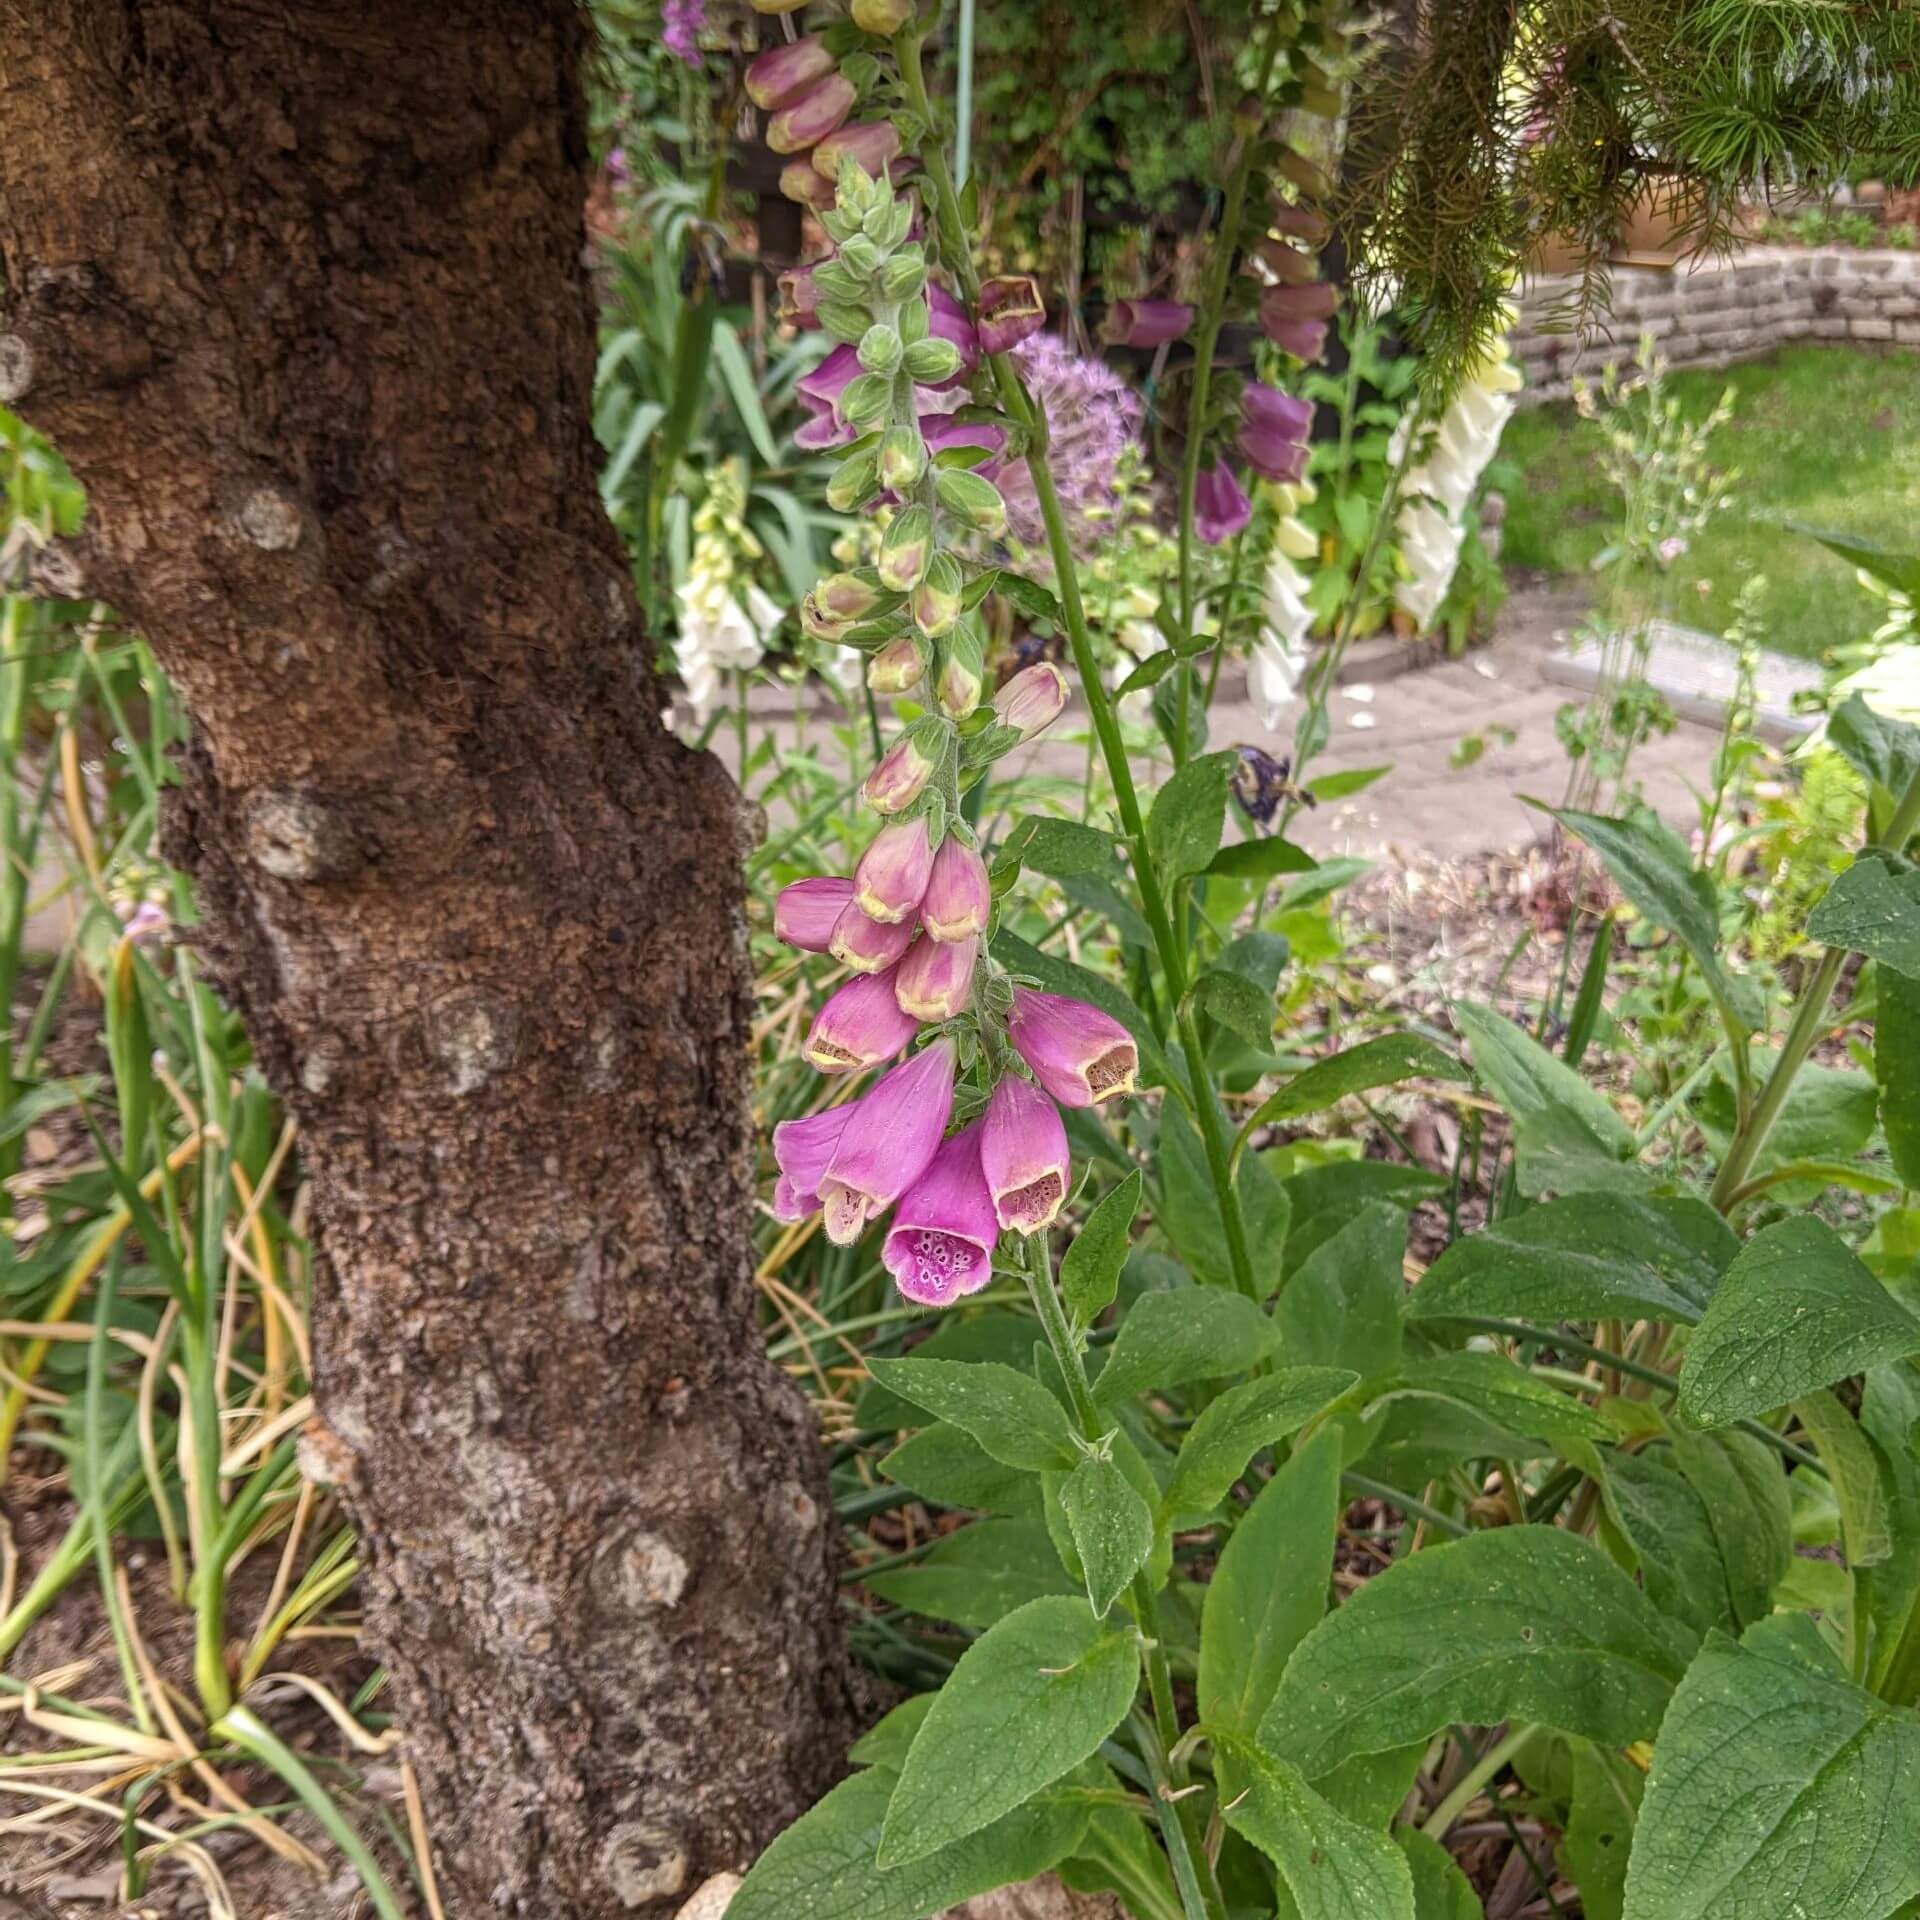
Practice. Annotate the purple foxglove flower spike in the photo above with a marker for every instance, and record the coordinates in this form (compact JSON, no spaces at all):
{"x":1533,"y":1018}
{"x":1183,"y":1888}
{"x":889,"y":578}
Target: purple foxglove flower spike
{"x":1312,"y":300}
{"x":863,"y":945}
{"x":869,"y":144}
{"x":1079,"y":1054}
{"x":1270,"y":456}
{"x":886,"y":1146}
{"x":860,"y":1026}
{"x":801,"y":1150}
{"x":959,"y":896}
{"x":935,"y":981}
{"x":940,"y":1246}
{"x":804,"y":913}
{"x":903,"y":771}
{"x":1010,"y":309}
{"x":1023,"y":1153}
{"x":892,"y":875}
{"x":1220,"y":505}
{"x":799,"y":298}
{"x":1299,"y":223}
{"x":800,"y":180}
{"x":1032,"y":700}
{"x":1146,"y":323}
{"x":816,"y":113}
{"x":783,"y":73}
{"x":1304,"y":339}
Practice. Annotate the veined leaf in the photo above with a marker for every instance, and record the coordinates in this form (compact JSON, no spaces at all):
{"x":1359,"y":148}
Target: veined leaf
{"x":1090,"y":1267}
{"x":1233,"y":1428}
{"x":1342,"y":1308}
{"x":1873,"y":908}
{"x":1896,"y":1066}
{"x":1028,"y":1701}
{"x":1013,"y":1417}
{"x":951,"y":1468}
{"x":1384,"y":1062}
{"x":1504,"y":1393}
{"x":1188,"y":1333}
{"x":1112,"y":1528}
{"x":1527,"y":1623}
{"x":1884,"y":750}
{"x":978,"y":1576}
{"x":1440,"y":1890}
{"x":1853,"y":1471}
{"x":1188,"y":816}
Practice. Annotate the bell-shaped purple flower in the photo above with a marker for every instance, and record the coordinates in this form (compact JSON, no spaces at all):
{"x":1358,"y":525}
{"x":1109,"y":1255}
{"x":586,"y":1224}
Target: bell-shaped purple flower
{"x":804,"y":913}
{"x":799,"y":297}
{"x":959,"y":896}
{"x":1023,"y":1153}
{"x":860,"y":1026}
{"x":865,"y":945}
{"x":1220,"y":504}
{"x":1032,"y":700}
{"x":1146,"y":323}
{"x":935,"y":981}
{"x":940,"y":1246}
{"x":869,"y":144}
{"x":891,"y":878}
{"x":1273,"y":431}
{"x":781,"y":74}
{"x":888,"y":1142}
{"x":807,"y":120}
{"x":1308,"y":300}
{"x":1009,"y":310}
{"x":900,"y":777}
{"x":820,"y":391}
{"x":1304,"y":339}
{"x":1299,"y":223}
{"x":1079,"y":1054}
{"x":801,"y":1150}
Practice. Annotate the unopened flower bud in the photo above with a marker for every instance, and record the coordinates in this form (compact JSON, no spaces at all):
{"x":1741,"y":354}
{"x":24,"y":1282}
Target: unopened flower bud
{"x":903,"y":458}
{"x":1033,"y":699}
{"x":847,"y":596}
{"x":1309,"y":178}
{"x":804,"y":122}
{"x":893,"y":872}
{"x":936,"y":601}
{"x":1146,"y":323}
{"x":882,"y":16}
{"x":962,"y":671}
{"x":1300,"y":223}
{"x":935,"y":980}
{"x":973,"y":500}
{"x":865,"y":945}
{"x":880,"y":349}
{"x":900,"y":665}
{"x":901,"y":776}
{"x":854,"y":481}
{"x":843,"y":320}
{"x":783,"y":73}
{"x":804,"y":913}
{"x":1010,"y":309}
{"x":905,"y":547}
{"x":959,"y":895}
{"x":865,"y":399}
{"x":1288,"y":263}
{"x":860,"y":255}
{"x":870,"y":144}
{"x":902,"y":277}
{"x":800,"y":180}
{"x":932,"y":360}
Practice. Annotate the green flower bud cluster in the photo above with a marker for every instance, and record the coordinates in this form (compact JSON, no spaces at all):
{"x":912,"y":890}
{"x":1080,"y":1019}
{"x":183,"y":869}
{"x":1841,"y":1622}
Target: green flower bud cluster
{"x":915,"y":612}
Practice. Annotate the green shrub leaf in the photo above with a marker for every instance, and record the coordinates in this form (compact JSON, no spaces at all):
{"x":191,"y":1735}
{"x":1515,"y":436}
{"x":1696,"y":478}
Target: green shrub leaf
{"x":1013,"y":1417}
{"x":978,"y":1576}
{"x":1235,"y":1427}
{"x":1182,"y":1334}
{"x":1090,"y":1268}
{"x":1873,"y":908}
{"x":1112,"y":1528}
{"x":1188,"y":816}
{"x":1384,"y":1062}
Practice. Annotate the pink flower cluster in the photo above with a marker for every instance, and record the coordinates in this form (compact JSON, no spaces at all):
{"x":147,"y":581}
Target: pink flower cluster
{"x":807,"y":99}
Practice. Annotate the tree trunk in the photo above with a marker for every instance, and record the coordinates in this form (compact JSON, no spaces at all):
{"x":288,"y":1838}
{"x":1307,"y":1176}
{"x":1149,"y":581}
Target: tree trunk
{"x":298,"y":289}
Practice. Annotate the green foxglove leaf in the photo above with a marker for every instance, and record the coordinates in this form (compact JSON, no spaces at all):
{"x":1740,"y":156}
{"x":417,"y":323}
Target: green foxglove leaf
{"x":886,"y":1742}
{"x":1190,"y":1209}
{"x":1112,"y":1528}
{"x":1334,"y":1868}
{"x":1587,"y":1257}
{"x":1796,"y":1312}
{"x":1060,"y":847}
{"x":822,"y":1867}
{"x":952,"y":1469}
{"x":1090,"y":1268}
{"x":1325,"y":1198}
{"x":1028,"y":1701}
{"x":1873,"y":908}
{"x":1778,"y":1788}
{"x":1653,"y":868}
{"x":992,"y":1335}
{"x":1884,"y":750}
{"x":1236,"y":1426}
{"x":1342,"y":1308}
{"x":1374,"y":1063}
{"x":1896,"y":1066}
{"x":1504,"y":1393}
{"x":1119,"y":1853}
{"x":1260,"y":859}
{"x":978,"y":1576}
{"x":1599,"y":1833}
{"x":1566,"y":1134}
{"x":1186,"y":1333}
{"x":1854,"y":1473}
{"x":1526,"y":1623}
{"x":1014,"y":1418}
{"x":1890,"y":1591}
{"x":1739,"y":1481}
{"x":1237,"y":1004}
{"x":1666,"y":1522}
{"x":1188,"y":815}
{"x":1270,"y":1587}
{"x":1440,"y":1890}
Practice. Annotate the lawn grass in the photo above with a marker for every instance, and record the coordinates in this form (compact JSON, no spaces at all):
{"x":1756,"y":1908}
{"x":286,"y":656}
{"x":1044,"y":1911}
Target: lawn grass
{"x":1825,"y":435}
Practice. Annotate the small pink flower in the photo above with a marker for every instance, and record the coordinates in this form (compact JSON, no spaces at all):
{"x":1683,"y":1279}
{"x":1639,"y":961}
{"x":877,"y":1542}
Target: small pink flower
{"x":1023,"y":1153}
{"x":901,"y":775}
{"x":891,"y":878}
{"x":1009,"y":310}
{"x":808,"y":119}
{"x":935,"y":981}
{"x":1146,"y":323}
{"x":893,"y":1133}
{"x":804,"y":913}
{"x":869,"y":144}
{"x":799,"y":297}
{"x":959,"y":896}
{"x":863,"y":945}
{"x":940,"y":1246}
{"x":781,"y":74}
{"x":1304,"y":339}
{"x":801,"y":1150}
{"x":1079,"y":1054}
{"x":860,"y":1026}
{"x":1220,"y":504}
{"x":1032,"y":700}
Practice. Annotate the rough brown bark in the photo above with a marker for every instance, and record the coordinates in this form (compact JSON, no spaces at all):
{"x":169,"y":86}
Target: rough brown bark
{"x":299,"y":291}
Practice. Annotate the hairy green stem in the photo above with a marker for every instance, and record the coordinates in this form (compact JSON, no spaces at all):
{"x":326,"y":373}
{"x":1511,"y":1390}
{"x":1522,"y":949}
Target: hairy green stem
{"x":1809,"y":1017}
{"x":1153,"y":897}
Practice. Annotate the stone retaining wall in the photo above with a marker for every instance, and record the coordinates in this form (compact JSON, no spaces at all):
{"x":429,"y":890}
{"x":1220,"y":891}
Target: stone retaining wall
{"x":1715,"y":312}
